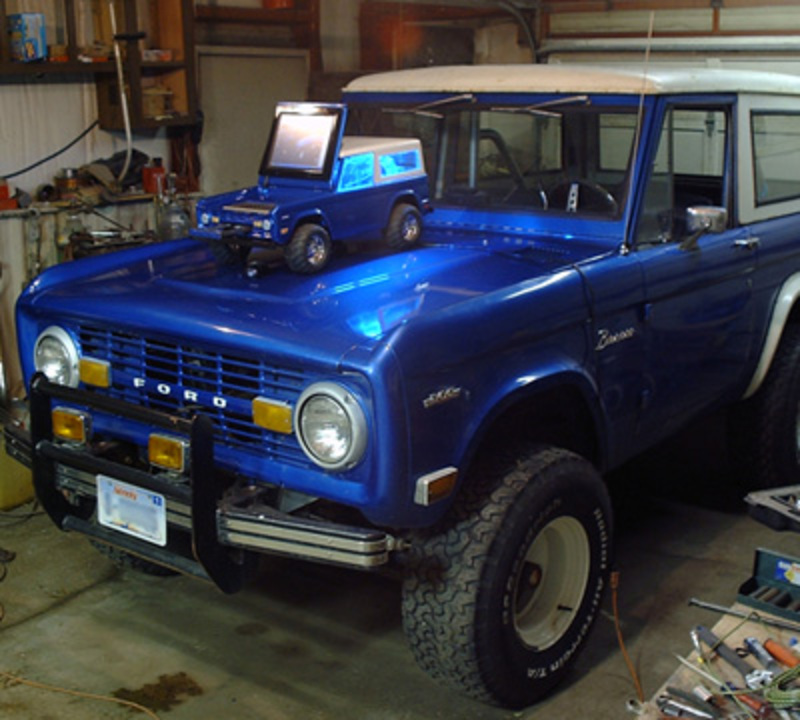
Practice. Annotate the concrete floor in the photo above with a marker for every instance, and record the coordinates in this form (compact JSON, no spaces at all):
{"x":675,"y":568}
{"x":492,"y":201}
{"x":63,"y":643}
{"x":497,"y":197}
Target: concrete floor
{"x":313,"y":642}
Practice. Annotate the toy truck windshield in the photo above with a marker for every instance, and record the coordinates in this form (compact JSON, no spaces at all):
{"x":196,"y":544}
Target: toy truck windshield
{"x":304,"y":140}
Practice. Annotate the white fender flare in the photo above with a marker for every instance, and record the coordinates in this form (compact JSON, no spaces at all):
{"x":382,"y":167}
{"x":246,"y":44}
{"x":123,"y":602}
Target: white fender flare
{"x":787,"y":296}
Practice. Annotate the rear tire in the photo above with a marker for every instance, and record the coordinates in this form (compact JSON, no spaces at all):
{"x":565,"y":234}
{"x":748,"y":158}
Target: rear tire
{"x":404,"y":228}
{"x":765,"y":429}
{"x":499,"y":601}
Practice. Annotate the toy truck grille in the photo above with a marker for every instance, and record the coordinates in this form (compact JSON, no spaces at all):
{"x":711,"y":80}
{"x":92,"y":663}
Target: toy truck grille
{"x":180,"y":378}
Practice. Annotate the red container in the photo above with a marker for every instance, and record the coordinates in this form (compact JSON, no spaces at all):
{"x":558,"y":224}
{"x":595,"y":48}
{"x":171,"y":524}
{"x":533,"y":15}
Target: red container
{"x":153,"y":177}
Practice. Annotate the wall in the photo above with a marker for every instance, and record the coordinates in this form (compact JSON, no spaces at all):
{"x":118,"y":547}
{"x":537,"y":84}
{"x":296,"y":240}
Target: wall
{"x":39,"y":119}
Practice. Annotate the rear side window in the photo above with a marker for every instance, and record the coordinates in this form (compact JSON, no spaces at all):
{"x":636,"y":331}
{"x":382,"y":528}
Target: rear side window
{"x":776,"y":156}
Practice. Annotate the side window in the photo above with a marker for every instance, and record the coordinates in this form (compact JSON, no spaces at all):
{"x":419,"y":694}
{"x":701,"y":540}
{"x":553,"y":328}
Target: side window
{"x":357,"y":172}
{"x":689,"y":170}
{"x":776,"y":155}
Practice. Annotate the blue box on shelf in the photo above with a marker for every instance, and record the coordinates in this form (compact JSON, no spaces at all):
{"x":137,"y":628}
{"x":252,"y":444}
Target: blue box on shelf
{"x":28,"y":36}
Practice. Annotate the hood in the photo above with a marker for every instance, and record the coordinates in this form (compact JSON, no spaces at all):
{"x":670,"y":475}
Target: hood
{"x":359,"y":300}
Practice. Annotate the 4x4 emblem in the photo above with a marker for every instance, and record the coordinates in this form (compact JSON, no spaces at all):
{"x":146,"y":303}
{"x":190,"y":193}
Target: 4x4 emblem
{"x":441,"y":396}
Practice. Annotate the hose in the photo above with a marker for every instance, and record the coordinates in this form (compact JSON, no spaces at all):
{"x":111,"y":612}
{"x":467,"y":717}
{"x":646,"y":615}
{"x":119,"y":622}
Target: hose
{"x":126,"y":118}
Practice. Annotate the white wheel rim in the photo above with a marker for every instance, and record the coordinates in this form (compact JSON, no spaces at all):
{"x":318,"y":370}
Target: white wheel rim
{"x":551,"y":583}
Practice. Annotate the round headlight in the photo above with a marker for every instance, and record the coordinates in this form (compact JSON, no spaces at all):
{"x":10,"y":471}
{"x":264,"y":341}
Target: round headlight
{"x":56,"y":356}
{"x":330,"y":426}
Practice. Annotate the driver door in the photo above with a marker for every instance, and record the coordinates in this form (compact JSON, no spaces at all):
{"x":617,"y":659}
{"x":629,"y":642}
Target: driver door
{"x":699,"y":308}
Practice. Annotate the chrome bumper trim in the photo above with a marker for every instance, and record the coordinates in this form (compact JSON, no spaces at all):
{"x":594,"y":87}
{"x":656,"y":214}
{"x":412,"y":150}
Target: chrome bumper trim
{"x":264,"y":529}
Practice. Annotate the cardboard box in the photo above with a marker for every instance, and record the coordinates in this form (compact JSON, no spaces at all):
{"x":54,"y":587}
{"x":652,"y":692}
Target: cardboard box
{"x":28,"y":40}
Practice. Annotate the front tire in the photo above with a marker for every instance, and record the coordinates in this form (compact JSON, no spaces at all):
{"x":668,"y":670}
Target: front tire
{"x":309,"y":249}
{"x":498,"y":603}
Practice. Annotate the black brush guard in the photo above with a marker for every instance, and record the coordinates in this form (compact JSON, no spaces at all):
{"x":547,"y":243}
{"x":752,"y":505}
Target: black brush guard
{"x":223,"y":528}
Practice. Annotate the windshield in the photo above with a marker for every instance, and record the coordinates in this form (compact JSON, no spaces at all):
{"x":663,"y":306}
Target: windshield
{"x":570,"y":158}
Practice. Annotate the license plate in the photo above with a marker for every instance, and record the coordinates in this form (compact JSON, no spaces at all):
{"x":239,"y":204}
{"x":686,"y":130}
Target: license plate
{"x":131,"y":510}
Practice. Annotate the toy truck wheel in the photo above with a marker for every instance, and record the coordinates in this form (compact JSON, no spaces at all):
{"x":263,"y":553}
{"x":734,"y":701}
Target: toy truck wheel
{"x":309,"y":249}
{"x":405,"y":226}
{"x":765,"y":430}
{"x":498,"y":602}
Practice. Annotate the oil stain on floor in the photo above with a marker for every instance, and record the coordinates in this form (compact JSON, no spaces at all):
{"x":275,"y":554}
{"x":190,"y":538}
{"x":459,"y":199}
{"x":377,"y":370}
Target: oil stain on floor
{"x":170,"y":690}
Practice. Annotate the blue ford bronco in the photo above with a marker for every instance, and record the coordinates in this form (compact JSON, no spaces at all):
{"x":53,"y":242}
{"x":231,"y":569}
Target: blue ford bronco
{"x":611,"y":253}
{"x":317,"y":186}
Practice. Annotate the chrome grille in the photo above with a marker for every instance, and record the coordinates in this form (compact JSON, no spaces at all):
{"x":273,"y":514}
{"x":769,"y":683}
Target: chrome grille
{"x":183,"y":378}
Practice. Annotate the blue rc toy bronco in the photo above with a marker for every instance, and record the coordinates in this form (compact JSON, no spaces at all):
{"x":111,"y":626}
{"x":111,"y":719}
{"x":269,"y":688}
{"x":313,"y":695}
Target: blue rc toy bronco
{"x":317,"y":186}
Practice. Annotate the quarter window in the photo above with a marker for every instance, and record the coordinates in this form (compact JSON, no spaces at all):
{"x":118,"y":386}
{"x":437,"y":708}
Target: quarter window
{"x":776,"y":156}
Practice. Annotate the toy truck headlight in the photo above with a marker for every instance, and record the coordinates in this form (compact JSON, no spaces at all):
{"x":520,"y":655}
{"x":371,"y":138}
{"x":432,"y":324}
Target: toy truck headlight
{"x":330,"y":426}
{"x":56,"y":356}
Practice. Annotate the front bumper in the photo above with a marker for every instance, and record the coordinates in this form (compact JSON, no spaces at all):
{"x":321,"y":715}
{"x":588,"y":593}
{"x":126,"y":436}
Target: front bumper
{"x":212,"y":526}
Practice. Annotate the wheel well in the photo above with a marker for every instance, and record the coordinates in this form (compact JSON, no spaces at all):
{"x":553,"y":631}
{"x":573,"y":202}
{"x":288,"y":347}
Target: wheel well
{"x":558,"y":416}
{"x":315,"y":219}
{"x":794,"y":315}
{"x":408,"y":199}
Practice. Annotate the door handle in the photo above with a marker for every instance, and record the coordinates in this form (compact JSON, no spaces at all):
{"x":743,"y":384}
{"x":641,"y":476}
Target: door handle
{"x":748,"y":243}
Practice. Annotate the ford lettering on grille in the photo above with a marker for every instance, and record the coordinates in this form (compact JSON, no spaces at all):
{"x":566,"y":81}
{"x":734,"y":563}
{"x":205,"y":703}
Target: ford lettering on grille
{"x":193,"y":397}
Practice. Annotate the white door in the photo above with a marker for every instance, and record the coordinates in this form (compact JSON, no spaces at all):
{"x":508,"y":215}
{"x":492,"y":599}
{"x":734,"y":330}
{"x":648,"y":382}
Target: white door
{"x":239,"y":88}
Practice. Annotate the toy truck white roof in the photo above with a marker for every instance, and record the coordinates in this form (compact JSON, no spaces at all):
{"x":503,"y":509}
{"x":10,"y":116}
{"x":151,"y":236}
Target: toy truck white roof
{"x":355,"y":145}
{"x":574,"y":79}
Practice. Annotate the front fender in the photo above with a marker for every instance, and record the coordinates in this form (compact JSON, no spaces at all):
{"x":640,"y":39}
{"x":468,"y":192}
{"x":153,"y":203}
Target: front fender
{"x":563,"y":386}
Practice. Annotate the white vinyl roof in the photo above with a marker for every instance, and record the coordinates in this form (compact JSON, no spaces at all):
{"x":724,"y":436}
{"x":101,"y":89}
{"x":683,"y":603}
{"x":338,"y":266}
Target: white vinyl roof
{"x":574,"y":79}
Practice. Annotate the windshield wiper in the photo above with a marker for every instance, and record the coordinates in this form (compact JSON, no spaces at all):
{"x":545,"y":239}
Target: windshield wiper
{"x":540,"y":108}
{"x":426,"y":108}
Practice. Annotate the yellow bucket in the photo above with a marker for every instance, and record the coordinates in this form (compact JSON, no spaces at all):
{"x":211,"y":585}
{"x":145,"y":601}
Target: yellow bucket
{"x":16,"y":483}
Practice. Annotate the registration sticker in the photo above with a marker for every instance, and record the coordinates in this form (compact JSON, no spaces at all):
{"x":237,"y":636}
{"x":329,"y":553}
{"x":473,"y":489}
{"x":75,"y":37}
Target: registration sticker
{"x":132,"y":510}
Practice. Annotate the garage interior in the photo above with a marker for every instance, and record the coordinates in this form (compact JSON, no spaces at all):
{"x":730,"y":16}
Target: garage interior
{"x":306,"y":640}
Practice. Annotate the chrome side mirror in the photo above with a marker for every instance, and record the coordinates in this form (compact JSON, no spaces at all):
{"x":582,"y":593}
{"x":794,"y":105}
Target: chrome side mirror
{"x":703,"y":219}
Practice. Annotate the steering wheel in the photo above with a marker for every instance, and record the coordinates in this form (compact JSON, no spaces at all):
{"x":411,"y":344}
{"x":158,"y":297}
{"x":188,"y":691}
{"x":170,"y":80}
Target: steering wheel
{"x":573,"y":194}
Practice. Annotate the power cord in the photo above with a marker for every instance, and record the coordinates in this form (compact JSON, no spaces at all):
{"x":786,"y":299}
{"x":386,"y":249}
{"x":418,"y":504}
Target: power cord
{"x":6,"y":556}
{"x":10,"y":519}
{"x":631,"y":669}
{"x":17,"y":680}
{"x":53,"y":155}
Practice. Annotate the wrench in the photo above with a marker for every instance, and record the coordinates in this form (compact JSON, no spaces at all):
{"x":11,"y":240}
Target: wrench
{"x":754,"y":678}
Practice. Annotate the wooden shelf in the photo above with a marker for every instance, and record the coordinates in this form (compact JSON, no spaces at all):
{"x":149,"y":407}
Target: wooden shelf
{"x":257,"y":16}
{"x":171,"y":24}
{"x":303,"y":22}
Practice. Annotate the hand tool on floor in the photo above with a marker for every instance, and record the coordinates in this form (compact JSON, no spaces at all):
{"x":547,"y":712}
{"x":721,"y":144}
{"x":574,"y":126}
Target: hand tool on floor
{"x":782,"y":654}
{"x":670,"y":706}
{"x":760,"y":653}
{"x":752,"y":615}
{"x":691,"y":705}
{"x":758,"y":707}
{"x":754,"y":678}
